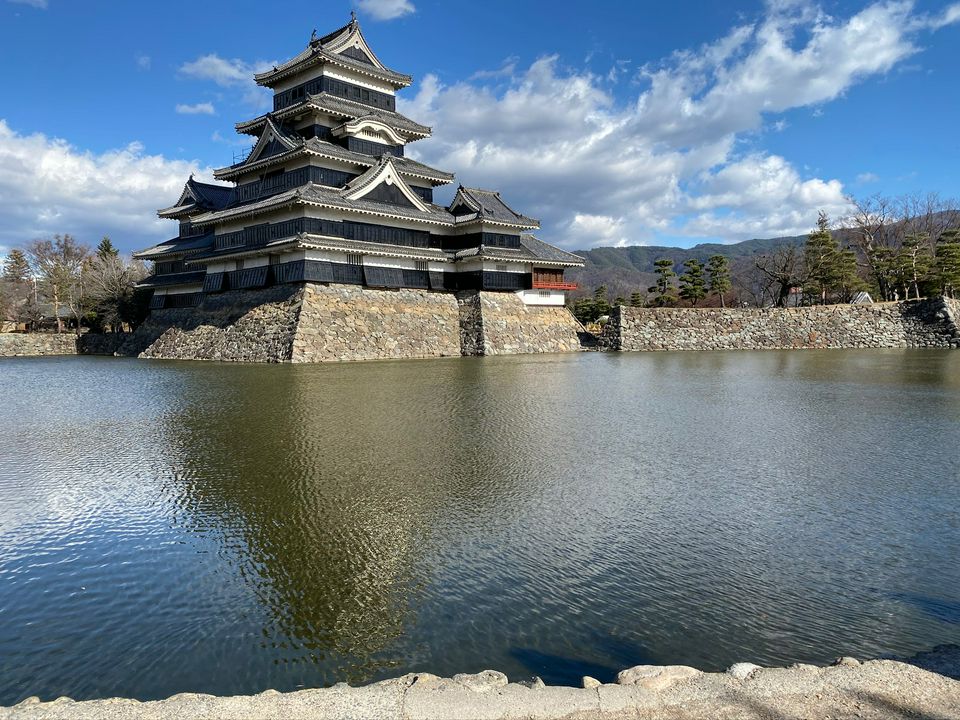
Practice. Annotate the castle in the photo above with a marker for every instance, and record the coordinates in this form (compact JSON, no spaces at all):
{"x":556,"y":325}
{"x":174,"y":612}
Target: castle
{"x":327,"y":211}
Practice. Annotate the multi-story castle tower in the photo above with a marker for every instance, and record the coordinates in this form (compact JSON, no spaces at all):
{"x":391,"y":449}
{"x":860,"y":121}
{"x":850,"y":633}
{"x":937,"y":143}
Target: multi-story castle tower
{"x":326,"y":195}
{"x":327,"y":204}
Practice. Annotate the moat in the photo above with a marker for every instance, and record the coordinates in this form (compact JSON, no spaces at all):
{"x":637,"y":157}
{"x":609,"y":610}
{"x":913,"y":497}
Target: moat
{"x":178,"y":526}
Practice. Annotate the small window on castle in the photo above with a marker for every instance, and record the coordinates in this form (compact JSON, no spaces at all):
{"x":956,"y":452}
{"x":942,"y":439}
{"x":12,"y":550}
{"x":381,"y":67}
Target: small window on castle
{"x":422,"y":265}
{"x":240,"y":264}
{"x":274,"y":259}
{"x":355,"y":259}
{"x":501,"y":268}
{"x":544,"y":293}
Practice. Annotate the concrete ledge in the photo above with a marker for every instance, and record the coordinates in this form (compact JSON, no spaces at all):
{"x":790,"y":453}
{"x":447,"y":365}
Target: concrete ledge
{"x":848,"y":688}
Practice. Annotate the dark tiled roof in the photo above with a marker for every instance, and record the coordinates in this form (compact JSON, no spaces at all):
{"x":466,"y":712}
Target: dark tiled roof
{"x":319,"y":50}
{"x":531,"y":250}
{"x":371,"y":247}
{"x":344,"y":108}
{"x":546,"y":251}
{"x":176,"y":246}
{"x":328,"y":197}
{"x":404,"y":165}
{"x":488,"y":205}
{"x":213,"y":196}
{"x":184,"y":278}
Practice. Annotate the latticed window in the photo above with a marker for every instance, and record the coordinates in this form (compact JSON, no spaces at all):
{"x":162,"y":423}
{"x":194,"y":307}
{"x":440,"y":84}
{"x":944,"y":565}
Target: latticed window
{"x":422,"y":265}
{"x":355,"y":259}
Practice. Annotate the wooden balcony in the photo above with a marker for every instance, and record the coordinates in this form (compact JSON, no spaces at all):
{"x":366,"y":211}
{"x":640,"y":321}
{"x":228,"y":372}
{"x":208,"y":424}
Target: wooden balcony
{"x":549,"y":285}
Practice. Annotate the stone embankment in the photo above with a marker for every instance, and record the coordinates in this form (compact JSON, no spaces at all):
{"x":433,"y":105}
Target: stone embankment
{"x":500,"y":324}
{"x":922,"y":687}
{"x":920,"y":323}
{"x":323,"y":323}
{"x":68,"y":343}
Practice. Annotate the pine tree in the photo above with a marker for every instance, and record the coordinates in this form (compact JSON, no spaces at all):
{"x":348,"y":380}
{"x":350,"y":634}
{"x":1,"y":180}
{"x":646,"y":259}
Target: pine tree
{"x":664,"y":291}
{"x":601,"y":305}
{"x":693,"y":286}
{"x":948,"y":262}
{"x":106,"y":249}
{"x":719,"y":268}
{"x":16,"y":269}
{"x":636,"y":299}
{"x":821,"y":255}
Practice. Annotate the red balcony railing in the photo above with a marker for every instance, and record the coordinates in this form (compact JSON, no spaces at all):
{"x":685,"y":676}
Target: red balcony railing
{"x":543,"y":285}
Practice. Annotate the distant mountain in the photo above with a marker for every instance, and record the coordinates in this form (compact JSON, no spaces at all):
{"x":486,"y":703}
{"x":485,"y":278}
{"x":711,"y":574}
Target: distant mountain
{"x":628,"y":269}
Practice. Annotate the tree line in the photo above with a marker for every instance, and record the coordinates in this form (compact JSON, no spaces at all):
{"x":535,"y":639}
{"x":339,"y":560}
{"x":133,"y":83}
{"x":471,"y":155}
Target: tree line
{"x":895,"y":249}
{"x":62,"y":279}
{"x":697,"y":282}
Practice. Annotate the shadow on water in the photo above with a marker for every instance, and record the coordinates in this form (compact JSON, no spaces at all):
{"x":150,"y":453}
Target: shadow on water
{"x":557,"y":670}
{"x":942,"y":609}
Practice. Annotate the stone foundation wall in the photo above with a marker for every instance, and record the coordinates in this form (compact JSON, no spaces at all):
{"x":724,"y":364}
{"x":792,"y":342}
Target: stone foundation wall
{"x":319,"y":322}
{"x":29,"y":344}
{"x":347,"y":322}
{"x":920,"y":323}
{"x":68,"y":343}
{"x":501,"y":324}
{"x":236,"y":326}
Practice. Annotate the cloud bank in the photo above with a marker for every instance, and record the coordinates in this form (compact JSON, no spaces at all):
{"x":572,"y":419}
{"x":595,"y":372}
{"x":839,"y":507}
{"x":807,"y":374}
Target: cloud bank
{"x":668,"y":163}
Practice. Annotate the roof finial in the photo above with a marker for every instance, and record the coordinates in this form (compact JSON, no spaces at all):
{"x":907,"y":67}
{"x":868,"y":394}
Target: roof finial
{"x":353,"y":17}
{"x":313,"y":36}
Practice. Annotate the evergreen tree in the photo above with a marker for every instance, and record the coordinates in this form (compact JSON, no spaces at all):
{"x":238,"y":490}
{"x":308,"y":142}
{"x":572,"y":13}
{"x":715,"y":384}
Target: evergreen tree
{"x":619,"y":300}
{"x":821,"y":255}
{"x":664,"y":291}
{"x":16,"y":269}
{"x":948,"y":262}
{"x":636,"y":299}
{"x":106,"y":249}
{"x":601,"y":305}
{"x":719,"y":268}
{"x":693,"y":286}
{"x":847,"y":281}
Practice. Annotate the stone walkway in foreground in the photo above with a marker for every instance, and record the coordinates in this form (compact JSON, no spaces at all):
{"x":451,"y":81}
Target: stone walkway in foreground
{"x":848,"y":689}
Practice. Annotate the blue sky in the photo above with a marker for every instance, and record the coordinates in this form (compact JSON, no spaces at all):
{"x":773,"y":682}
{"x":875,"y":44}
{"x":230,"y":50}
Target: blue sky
{"x":614,"y":122}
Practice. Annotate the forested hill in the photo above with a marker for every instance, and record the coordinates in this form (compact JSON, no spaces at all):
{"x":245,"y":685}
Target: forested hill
{"x":628,"y":269}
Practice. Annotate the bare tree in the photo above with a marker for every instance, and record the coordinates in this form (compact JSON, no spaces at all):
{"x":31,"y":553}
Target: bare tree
{"x":872,"y":237}
{"x":57,"y":264}
{"x":783,"y":270}
{"x":109,"y":288}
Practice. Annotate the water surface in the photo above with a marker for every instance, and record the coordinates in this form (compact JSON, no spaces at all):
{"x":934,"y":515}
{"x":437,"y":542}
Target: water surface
{"x":169,"y":527}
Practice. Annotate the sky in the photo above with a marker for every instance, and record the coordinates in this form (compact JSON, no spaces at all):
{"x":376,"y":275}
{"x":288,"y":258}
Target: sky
{"x":615,"y":123}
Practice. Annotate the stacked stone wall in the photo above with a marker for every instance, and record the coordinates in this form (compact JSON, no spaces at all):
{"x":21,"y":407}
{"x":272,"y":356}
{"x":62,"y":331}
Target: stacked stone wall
{"x":236,"y":326}
{"x":921,"y":323}
{"x":347,"y":322}
{"x":30,"y":344}
{"x":67,"y":343}
{"x":501,"y":324}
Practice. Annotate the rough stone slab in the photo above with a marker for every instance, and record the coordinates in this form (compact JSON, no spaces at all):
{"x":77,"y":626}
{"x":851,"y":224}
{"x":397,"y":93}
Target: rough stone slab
{"x":511,"y":702}
{"x":872,"y":690}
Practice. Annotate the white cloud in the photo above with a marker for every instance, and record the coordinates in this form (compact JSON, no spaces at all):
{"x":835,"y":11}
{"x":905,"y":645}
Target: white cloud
{"x":204,"y":108}
{"x":143,"y":62}
{"x":386,"y":9}
{"x":41,"y":4}
{"x":866,"y":178}
{"x":949,"y":16}
{"x":220,"y":70}
{"x":233,"y":73}
{"x":671,"y":161}
{"x":48,"y":186}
